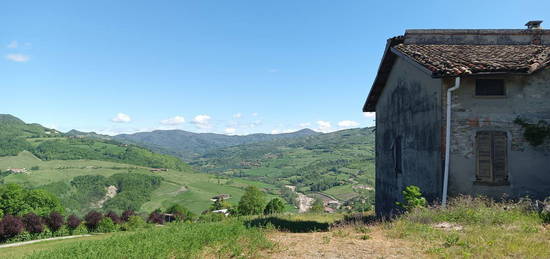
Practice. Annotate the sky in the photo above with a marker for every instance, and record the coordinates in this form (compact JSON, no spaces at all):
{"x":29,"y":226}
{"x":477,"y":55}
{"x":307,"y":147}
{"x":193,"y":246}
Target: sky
{"x":230,"y":67}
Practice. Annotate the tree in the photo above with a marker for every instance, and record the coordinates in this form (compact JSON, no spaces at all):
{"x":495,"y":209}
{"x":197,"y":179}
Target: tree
{"x":156,"y":217}
{"x":16,"y":200}
{"x":276,"y":205}
{"x":318,"y":206}
{"x":92,"y":219}
{"x":114,"y":217}
{"x":252,"y":202}
{"x":413,"y":198}
{"x":55,"y":221}
{"x":73,"y":222}
{"x":181,"y":213}
{"x":10,"y":226}
{"x":127,"y":214}
{"x":33,"y":223}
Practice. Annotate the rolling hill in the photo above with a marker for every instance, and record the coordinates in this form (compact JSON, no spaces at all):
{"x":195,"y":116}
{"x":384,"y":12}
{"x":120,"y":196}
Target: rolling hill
{"x":88,"y":172}
{"x":338,"y":164}
{"x":188,"y":145}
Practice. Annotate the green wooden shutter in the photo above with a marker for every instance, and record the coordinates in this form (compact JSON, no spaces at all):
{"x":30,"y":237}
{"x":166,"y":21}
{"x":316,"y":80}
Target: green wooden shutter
{"x":484,"y":163}
{"x":499,"y":157}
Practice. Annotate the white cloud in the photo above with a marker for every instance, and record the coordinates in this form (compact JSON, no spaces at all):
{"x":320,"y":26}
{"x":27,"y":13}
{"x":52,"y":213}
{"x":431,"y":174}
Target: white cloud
{"x":230,"y":130}
{"x":237,"y":115}
{"x":305,"y":124}
{"x":369,"y":114}
{"x":13,"y":45}
{"x":254,"y":114}
{"x":348,"y":124}
{"x":324,"y":126}
{"x":202,"y":121}
{"x":278,"y":131}
{"x":121,"y":118}
{"x":17,"y":57}
{"x":173,"y":121}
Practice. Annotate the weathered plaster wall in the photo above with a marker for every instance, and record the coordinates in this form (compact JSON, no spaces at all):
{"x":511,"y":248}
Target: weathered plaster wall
{"x":409,"y":107}
{"x":529,"y":167}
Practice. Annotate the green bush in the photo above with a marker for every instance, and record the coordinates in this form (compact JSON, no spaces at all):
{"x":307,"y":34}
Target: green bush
{"x":106,"y":225}
{"x":252,"y":202}
{"x":274,"y":206}
{"x":317,"y":207}
{"x":212,"y":217}
{"x":413,"y":198}
{"x":133,"y":223}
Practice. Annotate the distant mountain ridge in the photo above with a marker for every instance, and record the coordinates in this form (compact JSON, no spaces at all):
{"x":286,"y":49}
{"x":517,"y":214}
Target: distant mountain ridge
{"x":188,"y":145}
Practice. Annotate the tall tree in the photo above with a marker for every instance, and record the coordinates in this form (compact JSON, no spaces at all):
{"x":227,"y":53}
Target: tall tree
{"x":252,"y":202}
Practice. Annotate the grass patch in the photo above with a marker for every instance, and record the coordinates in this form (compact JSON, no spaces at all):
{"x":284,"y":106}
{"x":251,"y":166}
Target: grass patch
{"x":221,"y":240}
{"x":475,"y":227}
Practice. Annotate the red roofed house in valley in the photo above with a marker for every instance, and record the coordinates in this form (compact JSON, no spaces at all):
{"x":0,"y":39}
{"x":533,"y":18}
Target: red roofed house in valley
{"x":452,"y":108}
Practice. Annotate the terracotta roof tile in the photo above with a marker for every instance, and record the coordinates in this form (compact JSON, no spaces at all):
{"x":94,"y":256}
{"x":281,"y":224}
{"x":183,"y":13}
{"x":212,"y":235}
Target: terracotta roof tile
{"x":453,"y":60}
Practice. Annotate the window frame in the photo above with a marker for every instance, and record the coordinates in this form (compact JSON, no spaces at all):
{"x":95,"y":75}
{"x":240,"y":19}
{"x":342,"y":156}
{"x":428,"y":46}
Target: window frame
{"x":491,"y":96}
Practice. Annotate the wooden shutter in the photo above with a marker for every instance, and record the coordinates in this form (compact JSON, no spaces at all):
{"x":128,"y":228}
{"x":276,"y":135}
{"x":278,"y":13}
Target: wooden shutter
{"x":484,"y":163}
{"x":499,"y":157}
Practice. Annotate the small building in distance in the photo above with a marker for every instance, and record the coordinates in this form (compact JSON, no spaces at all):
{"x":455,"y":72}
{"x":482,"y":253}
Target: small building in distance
{"x":158,"y":170}
{"x":17,"y":170}
{"x":221,"y":197}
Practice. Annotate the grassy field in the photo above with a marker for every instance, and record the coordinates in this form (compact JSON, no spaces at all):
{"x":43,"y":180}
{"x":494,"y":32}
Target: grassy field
{"x":226,"y":239}
{"x":188,"y":188}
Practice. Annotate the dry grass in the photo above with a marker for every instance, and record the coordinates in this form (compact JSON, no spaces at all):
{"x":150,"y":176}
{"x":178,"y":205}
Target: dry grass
{"x":345,"y":242}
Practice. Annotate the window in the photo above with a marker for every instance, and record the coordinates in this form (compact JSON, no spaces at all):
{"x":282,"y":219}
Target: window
{"x":490,"y":87}
{"x":397,"y":156}
{"x":492,"y":157}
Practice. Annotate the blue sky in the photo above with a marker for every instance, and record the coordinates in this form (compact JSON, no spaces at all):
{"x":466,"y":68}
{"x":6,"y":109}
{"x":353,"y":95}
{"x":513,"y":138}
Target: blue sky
{"x":234,"y":67}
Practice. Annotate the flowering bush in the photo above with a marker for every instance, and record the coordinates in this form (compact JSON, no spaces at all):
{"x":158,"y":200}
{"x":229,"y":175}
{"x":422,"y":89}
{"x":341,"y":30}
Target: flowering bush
{"x":114,"y":217}
{"x":156,"y":217}
{"x":127,"y":214}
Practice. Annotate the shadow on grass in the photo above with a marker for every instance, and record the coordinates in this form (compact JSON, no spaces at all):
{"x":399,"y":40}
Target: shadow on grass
{"x":294,"y":226}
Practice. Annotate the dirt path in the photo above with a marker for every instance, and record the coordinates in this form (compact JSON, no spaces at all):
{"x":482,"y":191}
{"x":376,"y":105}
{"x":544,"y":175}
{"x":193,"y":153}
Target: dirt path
{"x":41,"y":240}
{"x":304,"y":202}
{"x":111,"y":192}
{"x":340,"y":243}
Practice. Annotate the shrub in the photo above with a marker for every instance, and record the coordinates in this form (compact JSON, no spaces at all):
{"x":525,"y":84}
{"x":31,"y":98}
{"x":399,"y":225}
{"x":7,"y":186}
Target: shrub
{"x":318,"y":206}
{"x":55,"y":221}
{"x":413,"y":198}
{"x":133,"y":223}
{"x":181,"y":213}
{"x":211,"y":217}
{"x":33,"y":223}
{"x":274,"y":206}
{"x":92,"y":219}
{"x":156,"y":218}
{"x":114,"y":217}
{"x":252,"y":202}
{"x":73,"y":222}
{"x":10,"y":226}
{"x":106,"y":225}
{"x":127,"y":214}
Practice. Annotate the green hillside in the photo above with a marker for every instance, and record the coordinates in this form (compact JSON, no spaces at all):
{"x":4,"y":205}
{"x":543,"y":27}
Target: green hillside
{"x":186,"y":187}
{"x":188,"y":145}
{"x":340,"y":164}
{"x":84,"y":171}
{"x":49,"y":144}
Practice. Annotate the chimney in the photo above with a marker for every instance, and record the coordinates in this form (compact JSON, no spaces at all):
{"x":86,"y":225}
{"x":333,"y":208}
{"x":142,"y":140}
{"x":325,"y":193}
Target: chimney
{"x":533,"y":25}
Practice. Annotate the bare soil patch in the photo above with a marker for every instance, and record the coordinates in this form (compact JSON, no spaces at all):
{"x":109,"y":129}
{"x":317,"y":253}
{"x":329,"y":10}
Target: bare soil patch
{"x":341,"y":243}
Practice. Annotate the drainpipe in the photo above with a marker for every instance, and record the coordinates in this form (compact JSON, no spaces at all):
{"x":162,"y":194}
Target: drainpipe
{"x":448,"y":141}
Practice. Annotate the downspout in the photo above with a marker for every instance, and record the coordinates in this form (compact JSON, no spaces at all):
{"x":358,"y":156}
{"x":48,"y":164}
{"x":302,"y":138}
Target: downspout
{"x":448,"y":141}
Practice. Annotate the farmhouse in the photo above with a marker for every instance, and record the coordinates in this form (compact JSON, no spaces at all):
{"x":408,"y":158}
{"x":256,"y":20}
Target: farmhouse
{"x":452,"y":108}
{"x":17,"y":170}
{"x":221,"y":197}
